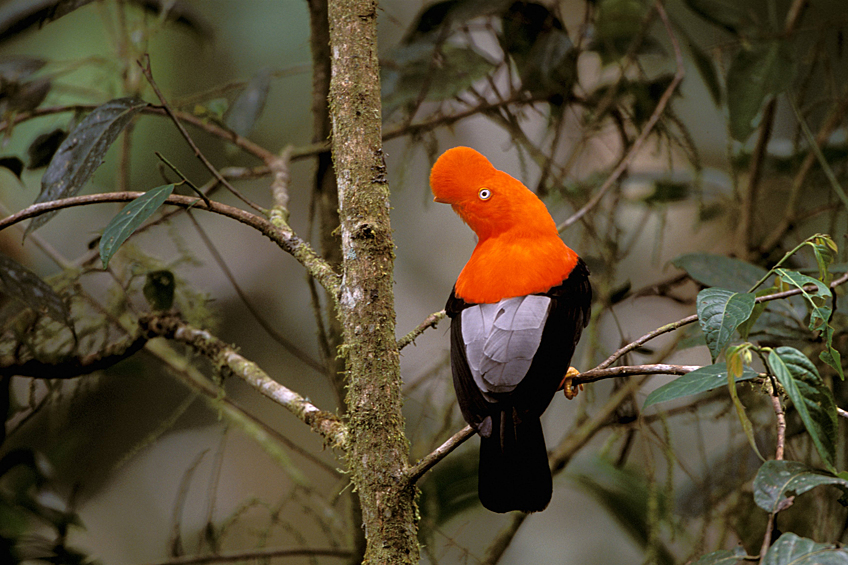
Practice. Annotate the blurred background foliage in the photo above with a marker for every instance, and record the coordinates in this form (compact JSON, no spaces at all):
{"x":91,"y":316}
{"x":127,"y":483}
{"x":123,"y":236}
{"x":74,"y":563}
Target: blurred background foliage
{"x":161,"y":455}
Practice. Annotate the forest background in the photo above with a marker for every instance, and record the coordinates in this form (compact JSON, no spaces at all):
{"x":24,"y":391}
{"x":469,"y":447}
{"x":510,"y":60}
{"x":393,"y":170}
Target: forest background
{"x":693,"y":152}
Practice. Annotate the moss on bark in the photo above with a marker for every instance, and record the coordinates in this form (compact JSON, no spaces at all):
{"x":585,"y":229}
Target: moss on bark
{"x":378,"y":450}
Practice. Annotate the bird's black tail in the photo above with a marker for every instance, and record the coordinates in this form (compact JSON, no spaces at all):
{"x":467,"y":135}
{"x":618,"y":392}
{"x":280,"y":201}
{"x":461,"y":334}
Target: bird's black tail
{"x":514,"y":472}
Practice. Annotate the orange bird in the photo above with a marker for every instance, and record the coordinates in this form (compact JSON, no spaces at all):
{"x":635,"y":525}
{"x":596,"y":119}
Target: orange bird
{"x":517,"y":311}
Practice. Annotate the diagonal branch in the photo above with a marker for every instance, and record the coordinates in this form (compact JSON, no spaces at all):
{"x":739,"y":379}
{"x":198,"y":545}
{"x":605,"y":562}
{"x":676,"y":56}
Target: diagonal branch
{"x":148,"y":74}
{"x":646,"y":131}
{"x":279,"y":232}
{"x":172,"y":327}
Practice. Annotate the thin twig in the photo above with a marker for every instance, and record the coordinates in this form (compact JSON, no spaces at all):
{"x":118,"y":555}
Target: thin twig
{"x":148,"y":73}
{"x":429,"y":322}
{"x":254,"y":311}
{"x":694,"y":318}
{"x":282,"y":235}
{"x":778,"y":455}
{"x":426,"y":463}
{"x":646,"y":131}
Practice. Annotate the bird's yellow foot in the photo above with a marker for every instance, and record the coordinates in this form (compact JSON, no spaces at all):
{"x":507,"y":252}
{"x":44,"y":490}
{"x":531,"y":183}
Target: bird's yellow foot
{"x":568,"y":389}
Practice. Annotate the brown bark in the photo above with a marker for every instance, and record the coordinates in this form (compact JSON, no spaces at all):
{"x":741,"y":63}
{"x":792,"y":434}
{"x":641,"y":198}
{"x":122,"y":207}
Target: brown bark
{"x":378,"y":450}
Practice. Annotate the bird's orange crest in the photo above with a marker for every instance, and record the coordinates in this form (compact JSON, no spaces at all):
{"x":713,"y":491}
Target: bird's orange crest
{"x":519,"y":250}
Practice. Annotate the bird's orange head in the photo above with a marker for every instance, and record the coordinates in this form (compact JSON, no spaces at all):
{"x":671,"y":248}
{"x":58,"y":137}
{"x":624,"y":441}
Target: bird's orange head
{"x":490,"y":201}
{"x":519,"y":250}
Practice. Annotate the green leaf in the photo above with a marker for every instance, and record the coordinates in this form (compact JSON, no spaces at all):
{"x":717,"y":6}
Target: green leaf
{"x":83,"y":151}
{"x":825,"y":250}
{"x":411,"y":68}
{"x":819,"y":313}
{"x":538,"y":43}
{"x":759,"y":308}
{"x":242,"y":115}
{"x":778,"y":482}
{"x":721,"y":557}
{"x":43,"y":147}
{"x":700,"y":380}
{"x":791,"y":549}
{"x":707,"y":70}
{"x":811,"y":397}
{"x":22,"y":284}
{"x":756,"y":75}
{"x":617,"y":24}
{"x":12,"y":164}
{"x":720,"y":311}
{"x":721,"y":271}
{"x":159,"y":289}
{"x":735,"y":369}
{"x":727,"y":14}
{"x":128,"y":220}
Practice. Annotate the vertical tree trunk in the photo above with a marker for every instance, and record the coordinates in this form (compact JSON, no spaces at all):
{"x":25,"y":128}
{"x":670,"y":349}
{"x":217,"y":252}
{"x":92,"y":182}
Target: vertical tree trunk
{"x":378,"y":450}
{"x":327,"y":209}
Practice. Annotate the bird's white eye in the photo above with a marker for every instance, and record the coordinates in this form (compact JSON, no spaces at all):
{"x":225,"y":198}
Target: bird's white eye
{"x":484,"y":194}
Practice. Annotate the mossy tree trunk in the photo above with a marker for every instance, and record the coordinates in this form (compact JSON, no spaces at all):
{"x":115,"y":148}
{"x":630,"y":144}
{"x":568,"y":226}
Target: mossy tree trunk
{"x":378,"y":450}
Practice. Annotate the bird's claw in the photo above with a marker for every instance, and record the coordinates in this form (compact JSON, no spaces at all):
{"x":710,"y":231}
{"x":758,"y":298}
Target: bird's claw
{"x":568,"y":388}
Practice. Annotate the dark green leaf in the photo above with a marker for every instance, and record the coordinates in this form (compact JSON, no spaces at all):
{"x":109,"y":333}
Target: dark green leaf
{"x":128,"y":220}
{"x":438,"y":15}
{"x":412,"y":69}
{"x":16,"y":68}
{"x":817,"y":298}
{"x":730,"y":15}
{"x":707,"y":70}
{"x":83,"y":152}
{"x":721,"y":557}
{"x":778,"y":482}
{"x":22,"y":284}
{"x":159,"y":289}
{"x":43,"y":147}
{"x":13,"y":164}
{"x":25,"y":96}
{"x":700,"y":380}
{"x":540,"y":47}
{"x":617,"y":25}
{"x":245,"y":110}
{"x":667,"y":192}
{"x":756,"y":75}
{"x":811,"y":397}
{"x":791,"y":549}
{"x":720,"y":311}
{"x":721,"y":271}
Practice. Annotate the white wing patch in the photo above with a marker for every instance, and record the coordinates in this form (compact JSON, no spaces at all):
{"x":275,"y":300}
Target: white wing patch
{"x":501,"y":340}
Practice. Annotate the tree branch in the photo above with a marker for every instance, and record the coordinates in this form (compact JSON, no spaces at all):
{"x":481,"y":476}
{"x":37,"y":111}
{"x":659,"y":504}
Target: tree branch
{"x":426,"y":463}
{"x":280,"y":234}
{"x":72,"y":367}
{"x":172,"y":327}
{"x":646,"y":131}
{"x":255,"y":555}
{"x":430,"y":321}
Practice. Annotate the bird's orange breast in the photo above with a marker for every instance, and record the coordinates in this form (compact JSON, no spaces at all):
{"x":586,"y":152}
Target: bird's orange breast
{"x":505,"y":266}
